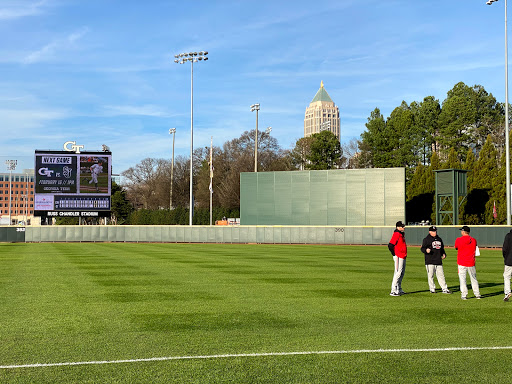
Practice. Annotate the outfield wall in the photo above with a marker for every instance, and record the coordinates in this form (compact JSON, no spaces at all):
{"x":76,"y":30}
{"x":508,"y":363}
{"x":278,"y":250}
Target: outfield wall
{"x":353,"y":197}
{"x":487,"y":236}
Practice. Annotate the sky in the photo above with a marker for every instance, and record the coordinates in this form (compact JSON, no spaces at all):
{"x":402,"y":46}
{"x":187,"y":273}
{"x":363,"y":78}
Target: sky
{"x":102,"y":71}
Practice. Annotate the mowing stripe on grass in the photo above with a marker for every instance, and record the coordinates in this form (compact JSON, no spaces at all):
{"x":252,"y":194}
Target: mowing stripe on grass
{"x":41,"y":365}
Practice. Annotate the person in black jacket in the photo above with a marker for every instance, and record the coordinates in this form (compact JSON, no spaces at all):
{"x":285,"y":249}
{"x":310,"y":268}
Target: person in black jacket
{"x":507,"y":256}
{"x":433,"y":248}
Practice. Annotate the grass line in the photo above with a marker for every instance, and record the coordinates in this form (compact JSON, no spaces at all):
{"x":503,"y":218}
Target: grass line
{"x":237,"y":355}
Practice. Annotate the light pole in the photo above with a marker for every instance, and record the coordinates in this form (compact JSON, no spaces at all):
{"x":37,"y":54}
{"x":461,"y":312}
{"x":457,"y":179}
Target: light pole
{"x":211,"y":179}
{"x":172,"y":132}
{"x":182,"y":58}
{"x":507,"y":144}
{"x":11,"y":166}
{"x":256,"y":107}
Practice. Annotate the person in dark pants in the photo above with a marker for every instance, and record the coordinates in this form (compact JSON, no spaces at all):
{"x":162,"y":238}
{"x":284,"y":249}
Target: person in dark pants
{"x":433,"y":248}
{"x":507,"y":258}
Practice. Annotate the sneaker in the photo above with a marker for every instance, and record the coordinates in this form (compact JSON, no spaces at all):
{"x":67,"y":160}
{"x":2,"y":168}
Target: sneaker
{"x":478,"y":297}
{"x":394,"y":294}
{"x":432,"y":291}
{"x":447,"y":291}
{"x":507,"y":297}
{"x":464,"y":298}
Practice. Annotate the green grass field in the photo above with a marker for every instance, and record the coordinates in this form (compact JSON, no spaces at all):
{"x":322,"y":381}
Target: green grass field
{"x":92,"y":302}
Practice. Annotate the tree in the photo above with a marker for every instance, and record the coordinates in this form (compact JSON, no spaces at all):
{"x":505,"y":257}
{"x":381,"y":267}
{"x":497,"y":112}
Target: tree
{"x":374,"y":144}
{"x":148,"y":183}
{"x":351,"y":154}
{"x":427,"y":121}
{"x":404,"y":138}
{"x":236,"y":156}
{"x":482,"y":190}
{"x":325,"y":151}
{"x":301,"y":152}
{"x":120,"y":207}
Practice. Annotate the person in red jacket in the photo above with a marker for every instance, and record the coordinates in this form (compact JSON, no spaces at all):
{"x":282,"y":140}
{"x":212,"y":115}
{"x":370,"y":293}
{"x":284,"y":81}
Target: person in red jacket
{"x":466,"y":249}
{"x":398,"y":249}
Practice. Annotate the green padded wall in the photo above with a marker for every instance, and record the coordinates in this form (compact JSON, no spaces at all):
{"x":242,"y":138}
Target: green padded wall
{"x":332,"y":197}
{"x":487,"y":236}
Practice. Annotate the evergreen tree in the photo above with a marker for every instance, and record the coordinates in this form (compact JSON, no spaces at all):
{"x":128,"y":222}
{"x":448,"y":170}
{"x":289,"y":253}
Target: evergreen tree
{"x":427,"y":122}
{"x":375,"y":142}
{"x":325,"y":151}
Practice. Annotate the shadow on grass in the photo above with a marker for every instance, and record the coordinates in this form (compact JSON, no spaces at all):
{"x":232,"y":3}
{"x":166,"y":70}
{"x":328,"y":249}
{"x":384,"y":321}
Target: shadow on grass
{"x":456,"y":288}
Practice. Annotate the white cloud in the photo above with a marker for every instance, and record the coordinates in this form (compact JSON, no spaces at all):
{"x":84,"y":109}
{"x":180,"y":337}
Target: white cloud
{"x":50,"y":50}
{"x":18,"y":9}
{"x":129,"y":110}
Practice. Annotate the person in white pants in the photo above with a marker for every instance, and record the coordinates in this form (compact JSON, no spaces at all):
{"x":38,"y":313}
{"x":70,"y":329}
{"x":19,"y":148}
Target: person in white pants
{"x":507,"y":258}
{"x":466,"y":249}
{"x":433,"y":248}
{"x":398,"y":248}
{"x":96,"y":169}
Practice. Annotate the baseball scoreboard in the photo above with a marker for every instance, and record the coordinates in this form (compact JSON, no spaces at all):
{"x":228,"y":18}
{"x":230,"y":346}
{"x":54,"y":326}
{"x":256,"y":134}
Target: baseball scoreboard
{"x":71,"y":183}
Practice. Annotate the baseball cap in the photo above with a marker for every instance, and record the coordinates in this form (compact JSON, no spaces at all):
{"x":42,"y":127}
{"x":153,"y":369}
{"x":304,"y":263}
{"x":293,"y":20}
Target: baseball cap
{"x":399,"y":224}
{"x":465,"y":228}
{"x":433,"y":228}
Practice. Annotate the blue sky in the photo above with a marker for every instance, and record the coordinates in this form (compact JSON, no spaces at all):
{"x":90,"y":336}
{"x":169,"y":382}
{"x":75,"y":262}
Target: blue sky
{"x":102,"y":71}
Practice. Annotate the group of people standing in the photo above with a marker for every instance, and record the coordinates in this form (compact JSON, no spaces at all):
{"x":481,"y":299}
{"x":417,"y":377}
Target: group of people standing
{"x":433,"y":248}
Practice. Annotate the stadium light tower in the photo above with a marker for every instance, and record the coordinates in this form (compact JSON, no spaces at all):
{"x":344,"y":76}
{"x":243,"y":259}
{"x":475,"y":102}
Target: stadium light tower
{"x":256,"y":107}
{"x":182,"y":58}
{"x":11,"y":166}
{"x":172,"y":132}
{"x":507,"y":133}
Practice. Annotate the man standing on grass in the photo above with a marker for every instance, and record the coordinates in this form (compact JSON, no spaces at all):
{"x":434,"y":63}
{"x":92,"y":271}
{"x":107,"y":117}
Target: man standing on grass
{"x":398,"y":249}
{"x":466,"y":248}
{"x":507,"y":256}
{"x":433,"y":248}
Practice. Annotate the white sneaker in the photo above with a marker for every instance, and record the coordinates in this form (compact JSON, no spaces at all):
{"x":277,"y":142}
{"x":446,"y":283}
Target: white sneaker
{"x":447,"y":291}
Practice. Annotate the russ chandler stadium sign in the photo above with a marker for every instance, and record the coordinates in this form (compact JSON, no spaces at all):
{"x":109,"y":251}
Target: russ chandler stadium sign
{"x":73,"y":182}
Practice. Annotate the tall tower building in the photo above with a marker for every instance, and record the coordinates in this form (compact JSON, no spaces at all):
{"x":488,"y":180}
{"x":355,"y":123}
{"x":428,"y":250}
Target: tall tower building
{"x":322,"y":114}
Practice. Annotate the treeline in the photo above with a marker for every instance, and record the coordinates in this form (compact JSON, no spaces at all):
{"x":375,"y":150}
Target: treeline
{"x":180,"y":216}
{"x":465,"y":131}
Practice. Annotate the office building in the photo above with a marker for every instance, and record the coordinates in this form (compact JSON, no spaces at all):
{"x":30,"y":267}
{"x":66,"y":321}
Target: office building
{"x":322,"y":114}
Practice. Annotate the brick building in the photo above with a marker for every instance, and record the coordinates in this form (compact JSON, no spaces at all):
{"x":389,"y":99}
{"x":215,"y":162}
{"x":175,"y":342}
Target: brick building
{"x":20,"y":187}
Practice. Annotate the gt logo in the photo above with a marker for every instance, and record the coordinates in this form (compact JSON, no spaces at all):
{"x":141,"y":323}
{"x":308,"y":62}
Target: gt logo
{"x":45,"y":172}
{"x":73,"y":148}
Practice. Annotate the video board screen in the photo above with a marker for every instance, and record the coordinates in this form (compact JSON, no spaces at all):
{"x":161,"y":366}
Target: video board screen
{"x":72,"y":184}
